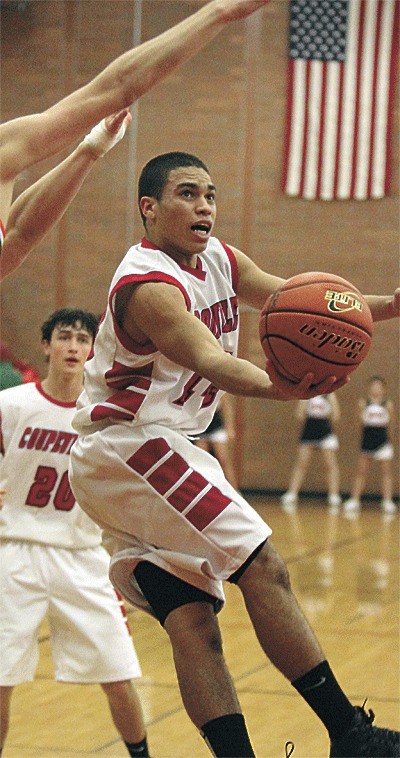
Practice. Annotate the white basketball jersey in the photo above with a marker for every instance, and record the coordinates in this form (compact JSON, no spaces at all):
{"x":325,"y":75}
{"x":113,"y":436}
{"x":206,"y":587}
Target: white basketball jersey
{"x":135,"y":384}
{"x":319,"y":407}
{"x":36,"y":439}
{"x":375,"y":414}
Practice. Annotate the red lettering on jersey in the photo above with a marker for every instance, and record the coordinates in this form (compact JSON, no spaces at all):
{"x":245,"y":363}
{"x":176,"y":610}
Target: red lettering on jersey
{"x":221,"y":317}
{"x":47,"y":440}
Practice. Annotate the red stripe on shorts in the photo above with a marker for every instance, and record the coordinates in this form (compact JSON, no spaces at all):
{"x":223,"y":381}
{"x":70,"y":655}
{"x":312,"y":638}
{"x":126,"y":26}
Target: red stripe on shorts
{"x":147,"y":455}
{"x":187,"y":491}
{"x":168,"y":473}
{"x":207,"y":509}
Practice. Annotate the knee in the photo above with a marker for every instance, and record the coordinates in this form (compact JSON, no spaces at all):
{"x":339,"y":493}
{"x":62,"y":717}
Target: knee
{"x":193,"y":627}
{"x":268,"y":567}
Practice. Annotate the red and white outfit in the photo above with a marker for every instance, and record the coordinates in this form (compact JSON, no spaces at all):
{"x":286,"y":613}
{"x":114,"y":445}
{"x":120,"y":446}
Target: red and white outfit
{"x":133,"y":468}
{"x":51,"y":559}
{"x":2,"y":234}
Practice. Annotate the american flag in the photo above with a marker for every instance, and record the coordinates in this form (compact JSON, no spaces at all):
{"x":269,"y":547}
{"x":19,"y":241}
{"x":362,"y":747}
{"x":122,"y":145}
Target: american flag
{"x":342,"y":68}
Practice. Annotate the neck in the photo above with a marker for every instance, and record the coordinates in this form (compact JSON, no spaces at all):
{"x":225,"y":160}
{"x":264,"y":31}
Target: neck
{"x":66,"y":389}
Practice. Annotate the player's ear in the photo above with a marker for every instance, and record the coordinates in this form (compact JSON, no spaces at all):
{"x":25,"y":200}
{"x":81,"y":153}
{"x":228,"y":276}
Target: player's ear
{"x":46,"y":347}
{"x":147,"y":206}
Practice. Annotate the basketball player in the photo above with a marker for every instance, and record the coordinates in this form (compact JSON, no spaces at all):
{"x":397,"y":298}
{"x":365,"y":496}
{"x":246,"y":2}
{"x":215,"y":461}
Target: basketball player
{"x":165,"y":351}
{"x":30,"y":139}
{"x":219,"y":435}
{"x":318,"y":415}
{"x":51,"y":560}
{"x":376,"y":416}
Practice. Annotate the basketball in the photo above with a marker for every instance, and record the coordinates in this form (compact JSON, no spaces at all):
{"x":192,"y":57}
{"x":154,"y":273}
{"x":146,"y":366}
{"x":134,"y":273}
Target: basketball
{"x":316,"y":322}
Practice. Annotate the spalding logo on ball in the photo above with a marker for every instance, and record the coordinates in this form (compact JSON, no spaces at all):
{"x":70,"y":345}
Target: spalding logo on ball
{"x":316,"y":322}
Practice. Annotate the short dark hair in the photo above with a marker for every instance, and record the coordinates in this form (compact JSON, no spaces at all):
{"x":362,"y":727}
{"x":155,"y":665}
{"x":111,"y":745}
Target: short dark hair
{"x":155,"y":174}
{"x":70,"y":317}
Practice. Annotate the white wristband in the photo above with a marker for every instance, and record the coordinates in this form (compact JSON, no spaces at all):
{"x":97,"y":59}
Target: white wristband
{"x":101,"y":140}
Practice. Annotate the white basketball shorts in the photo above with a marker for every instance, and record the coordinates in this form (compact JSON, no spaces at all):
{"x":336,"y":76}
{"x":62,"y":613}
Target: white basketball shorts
{"x":161,"y":499}
{"x":90,"y":639}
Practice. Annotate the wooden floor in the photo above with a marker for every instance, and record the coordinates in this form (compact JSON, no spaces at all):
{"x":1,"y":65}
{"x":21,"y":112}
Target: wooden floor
{"x":345,"y":574}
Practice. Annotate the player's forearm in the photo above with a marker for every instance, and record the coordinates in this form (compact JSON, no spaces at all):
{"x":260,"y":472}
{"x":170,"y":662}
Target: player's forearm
{"x":38,"y":209}
{"x":237,"y":376}
{"x":136,"y":71}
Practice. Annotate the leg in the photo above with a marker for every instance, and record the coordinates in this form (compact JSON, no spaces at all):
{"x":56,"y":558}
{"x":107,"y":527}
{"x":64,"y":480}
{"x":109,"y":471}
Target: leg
{"x":199,"y":661}
{"x":332,"y":470}
{"x":5,"y":699}
{"x":352,"y":505}
{"x":300,"y":469}
{"x":208,"y":693}
{"x":387,"y":480}
{"x":289,"y":498}
{"x":363,"y":464}
{"x":272,"y":607}
{"x":126,"y":710}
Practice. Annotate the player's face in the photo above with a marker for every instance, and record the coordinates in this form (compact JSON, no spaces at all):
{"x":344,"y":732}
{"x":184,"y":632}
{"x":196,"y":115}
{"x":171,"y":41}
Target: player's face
{"x":377,"y":390}
{"x":183,"y":219}
{"x":68,"y":349}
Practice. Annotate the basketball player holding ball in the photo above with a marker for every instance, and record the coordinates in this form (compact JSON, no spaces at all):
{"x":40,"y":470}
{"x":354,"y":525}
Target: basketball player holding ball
{"x":165,"y":352}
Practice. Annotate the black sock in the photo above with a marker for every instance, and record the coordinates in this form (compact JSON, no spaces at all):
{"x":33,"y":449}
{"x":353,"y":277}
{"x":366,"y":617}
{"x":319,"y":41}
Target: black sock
{"x":321,"y":691}
{"x":227,"y":736}
{"x":138,"y":748}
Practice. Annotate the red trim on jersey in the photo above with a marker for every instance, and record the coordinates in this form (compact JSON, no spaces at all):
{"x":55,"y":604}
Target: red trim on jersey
{"x":167,"y":471}
{"x":2,"y":447}
{"x":152,"y":276}
{"x":2,"y":233}
{"x":128,"y":400}
{"x":234,"y":266}
{"x":121,"y":376}
{"x":52,"y":399}
{"x":198,"y":272}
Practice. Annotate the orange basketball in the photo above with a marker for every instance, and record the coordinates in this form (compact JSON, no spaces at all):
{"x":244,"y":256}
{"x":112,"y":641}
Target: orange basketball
{"x":316,"y":322}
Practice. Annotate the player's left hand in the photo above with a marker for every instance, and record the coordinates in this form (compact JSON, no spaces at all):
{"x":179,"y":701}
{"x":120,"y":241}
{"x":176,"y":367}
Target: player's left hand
{"x":283,"y":389}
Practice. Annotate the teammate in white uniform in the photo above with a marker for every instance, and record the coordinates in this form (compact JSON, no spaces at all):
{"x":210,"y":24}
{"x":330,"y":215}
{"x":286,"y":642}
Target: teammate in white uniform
{"x":51,"y":559}
{"x":376,"y":413}
{"x":176,"y":528}
{"x":318,"y":415}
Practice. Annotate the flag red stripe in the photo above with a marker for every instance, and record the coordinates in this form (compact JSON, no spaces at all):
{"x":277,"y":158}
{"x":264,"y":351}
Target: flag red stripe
{"x":374,"y":91}
{"x":306,"y":126}
{"x":321,"y":131}
{"x":392,"y":86}
{"x":357,"y":99}
{"x":288,"y":125}
{"x":339,"y":132}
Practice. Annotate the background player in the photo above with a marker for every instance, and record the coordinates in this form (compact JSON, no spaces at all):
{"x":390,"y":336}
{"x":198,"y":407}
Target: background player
{"x":318,"y":416}
{"x":376,"y":414}
{"x":175,"y":527}
{"x":51,"y":560}
{"x":219,"y":436}
{"x":30,"y":139}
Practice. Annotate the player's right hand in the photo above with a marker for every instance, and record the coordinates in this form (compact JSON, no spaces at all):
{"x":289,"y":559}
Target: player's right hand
{"x":303,"y":390}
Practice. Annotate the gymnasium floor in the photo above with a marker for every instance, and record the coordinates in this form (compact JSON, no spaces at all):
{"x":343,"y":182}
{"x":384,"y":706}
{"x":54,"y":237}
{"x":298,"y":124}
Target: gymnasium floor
{"x":345,"y":574}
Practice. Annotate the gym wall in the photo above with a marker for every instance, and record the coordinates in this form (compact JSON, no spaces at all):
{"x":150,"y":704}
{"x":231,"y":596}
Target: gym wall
{"x":226,"y":105}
